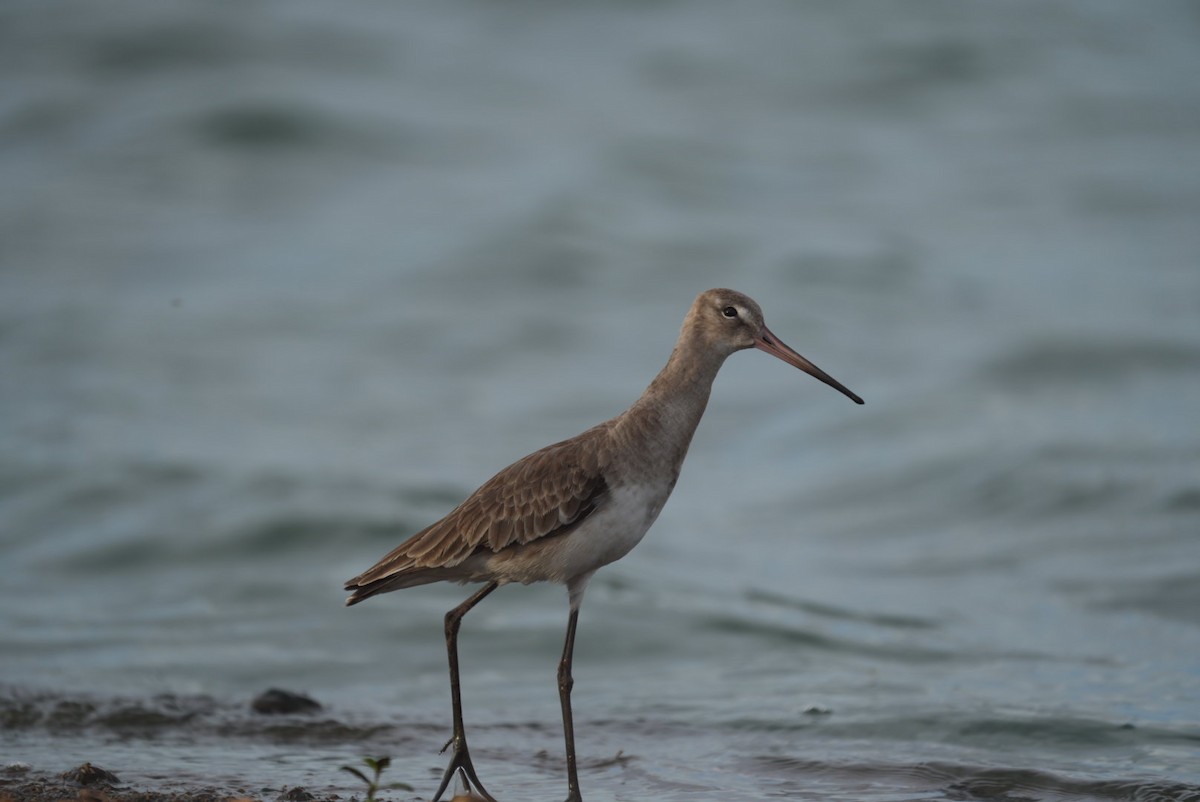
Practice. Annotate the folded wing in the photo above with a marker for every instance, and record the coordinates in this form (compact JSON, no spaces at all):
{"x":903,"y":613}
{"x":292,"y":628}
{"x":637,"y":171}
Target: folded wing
{"x":545,"y":494}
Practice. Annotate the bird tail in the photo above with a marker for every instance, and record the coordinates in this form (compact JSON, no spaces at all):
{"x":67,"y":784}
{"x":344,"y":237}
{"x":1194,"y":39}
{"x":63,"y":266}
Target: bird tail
{"x":361,"y":589}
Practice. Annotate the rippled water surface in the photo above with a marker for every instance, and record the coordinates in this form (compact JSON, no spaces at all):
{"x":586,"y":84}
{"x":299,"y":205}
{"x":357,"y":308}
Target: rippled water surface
{"x":281,"y":282}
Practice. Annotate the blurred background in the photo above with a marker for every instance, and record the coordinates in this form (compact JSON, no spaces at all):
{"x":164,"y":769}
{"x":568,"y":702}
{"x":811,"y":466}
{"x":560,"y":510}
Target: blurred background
{"x":281,"y":282}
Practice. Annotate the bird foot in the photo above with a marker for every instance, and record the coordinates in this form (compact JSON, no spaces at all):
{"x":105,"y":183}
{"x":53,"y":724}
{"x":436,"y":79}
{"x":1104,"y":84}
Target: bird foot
{"x":460,"y":762}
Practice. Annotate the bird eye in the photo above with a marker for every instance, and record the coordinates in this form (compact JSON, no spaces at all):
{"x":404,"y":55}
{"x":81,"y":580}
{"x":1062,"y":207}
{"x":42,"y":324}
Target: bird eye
{"x":729,"y":311}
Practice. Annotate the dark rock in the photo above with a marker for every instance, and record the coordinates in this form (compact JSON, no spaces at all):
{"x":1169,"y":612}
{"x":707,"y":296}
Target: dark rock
{"x":275,"y":702}
{"x":87,"y":774}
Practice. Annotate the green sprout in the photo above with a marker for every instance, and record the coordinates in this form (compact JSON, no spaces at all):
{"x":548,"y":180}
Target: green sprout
{"x":377,"y":765}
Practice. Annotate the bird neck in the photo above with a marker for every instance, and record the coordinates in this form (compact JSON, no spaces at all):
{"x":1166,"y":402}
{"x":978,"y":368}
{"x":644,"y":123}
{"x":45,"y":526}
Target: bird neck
{"x":664,"y":419}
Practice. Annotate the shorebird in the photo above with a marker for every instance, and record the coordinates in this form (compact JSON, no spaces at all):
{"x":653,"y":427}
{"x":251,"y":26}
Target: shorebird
{"x":560,"y":513}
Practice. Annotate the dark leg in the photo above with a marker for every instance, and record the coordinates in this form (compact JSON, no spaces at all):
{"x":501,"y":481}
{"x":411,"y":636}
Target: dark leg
{"x":461,"y":758}
{"x":565,"y":683}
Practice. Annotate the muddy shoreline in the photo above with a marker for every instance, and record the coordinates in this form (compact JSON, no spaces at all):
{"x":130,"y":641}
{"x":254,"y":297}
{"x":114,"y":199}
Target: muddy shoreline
{"x":68,"y":723}
{"x":91,"y":783}
{"x":36,"y":787}
{"x":283,"y":746}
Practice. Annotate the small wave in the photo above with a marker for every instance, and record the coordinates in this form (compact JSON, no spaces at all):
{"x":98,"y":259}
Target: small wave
{"x":1173,"y":597}
{"x":180,"y":716}
{"x":780,"y":632}
{"x":829,"y":611}
{"x":1050,"y":481}
{"x":994,"y":732}
{"x":1090,"y":362}
{"x":961,"y":782}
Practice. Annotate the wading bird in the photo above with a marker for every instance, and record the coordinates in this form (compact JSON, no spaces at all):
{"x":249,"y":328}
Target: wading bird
{"x":564,"y":511}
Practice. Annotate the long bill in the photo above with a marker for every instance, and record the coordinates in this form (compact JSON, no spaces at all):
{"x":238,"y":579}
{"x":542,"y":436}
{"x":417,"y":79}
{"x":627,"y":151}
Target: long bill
{"x":775,"y":347}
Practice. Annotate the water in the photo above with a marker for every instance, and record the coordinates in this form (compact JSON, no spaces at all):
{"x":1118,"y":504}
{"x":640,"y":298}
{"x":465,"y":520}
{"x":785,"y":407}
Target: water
{"x":282,"y":281}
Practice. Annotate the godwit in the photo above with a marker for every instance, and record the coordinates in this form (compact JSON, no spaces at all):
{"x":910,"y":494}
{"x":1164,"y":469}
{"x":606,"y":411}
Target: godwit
{"x":562,"y":512}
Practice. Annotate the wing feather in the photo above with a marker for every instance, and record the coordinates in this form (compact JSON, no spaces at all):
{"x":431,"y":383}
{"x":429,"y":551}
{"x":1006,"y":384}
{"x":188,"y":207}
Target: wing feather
{"x":542,"y":495}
